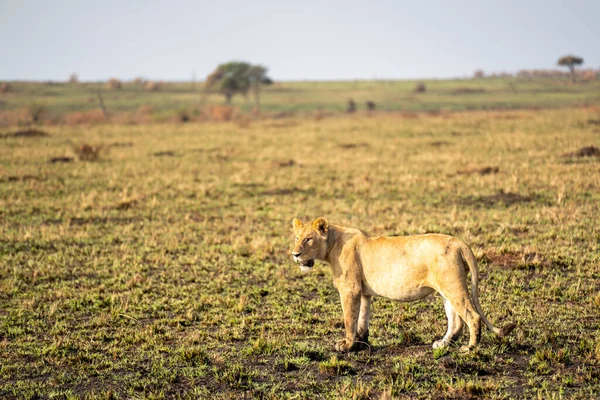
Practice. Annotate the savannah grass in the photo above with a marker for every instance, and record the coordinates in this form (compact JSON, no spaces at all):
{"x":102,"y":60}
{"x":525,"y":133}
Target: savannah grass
{"x":76,"y":103}
{"x":163,"y":270}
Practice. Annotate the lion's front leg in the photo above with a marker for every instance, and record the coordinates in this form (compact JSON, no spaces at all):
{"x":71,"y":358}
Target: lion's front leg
{"x":351,"y":308}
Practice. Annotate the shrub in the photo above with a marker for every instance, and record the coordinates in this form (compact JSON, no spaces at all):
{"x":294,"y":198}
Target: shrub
{"x":87,"y":152}
{"x":183,"y":116}
{"x":36,"y":111}
{"x":4,"y":87}
{"x":351,"y":108}
{"x":114,"y":84}
{"x":74,"y":79}
{"x":420,"y":88}
{"x":152,"y":86}
{"x":587,"y":75}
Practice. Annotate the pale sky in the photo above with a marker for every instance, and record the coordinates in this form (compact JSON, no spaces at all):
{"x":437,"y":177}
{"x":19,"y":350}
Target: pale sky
{"x":299,"y":40}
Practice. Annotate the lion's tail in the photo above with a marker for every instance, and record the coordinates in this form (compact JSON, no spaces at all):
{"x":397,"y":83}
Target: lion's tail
{"x":469,"y":258}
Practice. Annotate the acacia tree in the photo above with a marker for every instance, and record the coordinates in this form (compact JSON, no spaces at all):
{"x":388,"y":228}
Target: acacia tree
{"x":238,"y":77}
{"x":570,"y":61}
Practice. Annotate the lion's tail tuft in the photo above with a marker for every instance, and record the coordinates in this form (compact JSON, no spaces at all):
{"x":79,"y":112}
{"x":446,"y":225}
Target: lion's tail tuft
{"x":507,"y":329}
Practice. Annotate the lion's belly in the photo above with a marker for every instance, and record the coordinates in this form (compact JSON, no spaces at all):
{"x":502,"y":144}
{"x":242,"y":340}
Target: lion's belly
{"x":400,"y":268}
{"x":397,"y":284}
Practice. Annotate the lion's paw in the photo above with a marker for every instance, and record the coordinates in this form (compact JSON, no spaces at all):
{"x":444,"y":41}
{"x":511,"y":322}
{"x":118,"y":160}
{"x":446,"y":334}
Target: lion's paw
{"x":363,"y":336}
{"x":466,"y":348}
{"x":343,"y":345}
{"x":438,"y":344}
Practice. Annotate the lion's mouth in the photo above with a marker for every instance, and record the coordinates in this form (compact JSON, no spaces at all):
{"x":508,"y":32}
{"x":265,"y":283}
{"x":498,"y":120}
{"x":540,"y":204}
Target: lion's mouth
{"x":305,"y":265}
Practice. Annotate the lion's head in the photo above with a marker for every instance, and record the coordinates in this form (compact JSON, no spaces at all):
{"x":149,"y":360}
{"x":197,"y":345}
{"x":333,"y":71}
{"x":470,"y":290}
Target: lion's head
{"x":310,"y":242}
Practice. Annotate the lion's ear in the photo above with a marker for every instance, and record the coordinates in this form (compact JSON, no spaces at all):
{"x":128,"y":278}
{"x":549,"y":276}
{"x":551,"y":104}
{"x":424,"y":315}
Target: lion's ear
{"x":297,"y":224}
{"x":321,"y":225}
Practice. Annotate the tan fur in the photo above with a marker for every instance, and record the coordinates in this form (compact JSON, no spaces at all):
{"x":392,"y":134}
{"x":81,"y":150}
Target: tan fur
{"x":404,"y":268}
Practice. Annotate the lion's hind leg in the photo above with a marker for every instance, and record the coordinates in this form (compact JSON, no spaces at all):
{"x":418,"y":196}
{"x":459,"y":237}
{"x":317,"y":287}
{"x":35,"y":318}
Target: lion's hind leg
{"x":455,"y":327}
{"x":363,"y":322}
{"x":470,"y":316}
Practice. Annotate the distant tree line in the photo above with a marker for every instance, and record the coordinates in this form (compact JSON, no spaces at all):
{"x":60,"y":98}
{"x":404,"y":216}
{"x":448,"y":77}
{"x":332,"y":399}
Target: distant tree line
{"x":568,"y":61}
{"x":584,"y":74}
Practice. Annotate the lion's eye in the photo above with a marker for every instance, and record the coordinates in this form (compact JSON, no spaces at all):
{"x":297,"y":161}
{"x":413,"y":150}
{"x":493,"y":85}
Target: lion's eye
{"x":308,"y":240}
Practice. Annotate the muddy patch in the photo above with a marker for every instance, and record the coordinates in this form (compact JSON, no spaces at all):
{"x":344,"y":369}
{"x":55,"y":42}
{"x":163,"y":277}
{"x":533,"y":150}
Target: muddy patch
{"x":250,"y":185}
{"x":470,"y":368}
{"x":167,"y":153}
{"x":55,"y":160}
{"x":586,"y":151}
{"x":353,"y":145}
{"x":285,"y":192}
{"x":77,"y":221}
{"x":439,"y":143}
{"x":487,"y":170}
{"x":513,"y":259}
{"x":20,"y":178}
{"x":285,"y":164}
{"x":25,"y":133}
{"x":501,"y":198}
{"x":121,"y":144}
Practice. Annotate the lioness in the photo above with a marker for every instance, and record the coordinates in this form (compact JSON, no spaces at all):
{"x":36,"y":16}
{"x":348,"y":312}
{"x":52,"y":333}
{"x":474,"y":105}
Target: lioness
{"x":404,"y":268}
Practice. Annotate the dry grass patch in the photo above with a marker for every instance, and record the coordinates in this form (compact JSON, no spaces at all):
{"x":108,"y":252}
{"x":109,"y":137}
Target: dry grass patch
{"x":95,"y":116}
{"x":468,"y":90}
{"x":14,"y":117}
{"x":221,"y":113}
